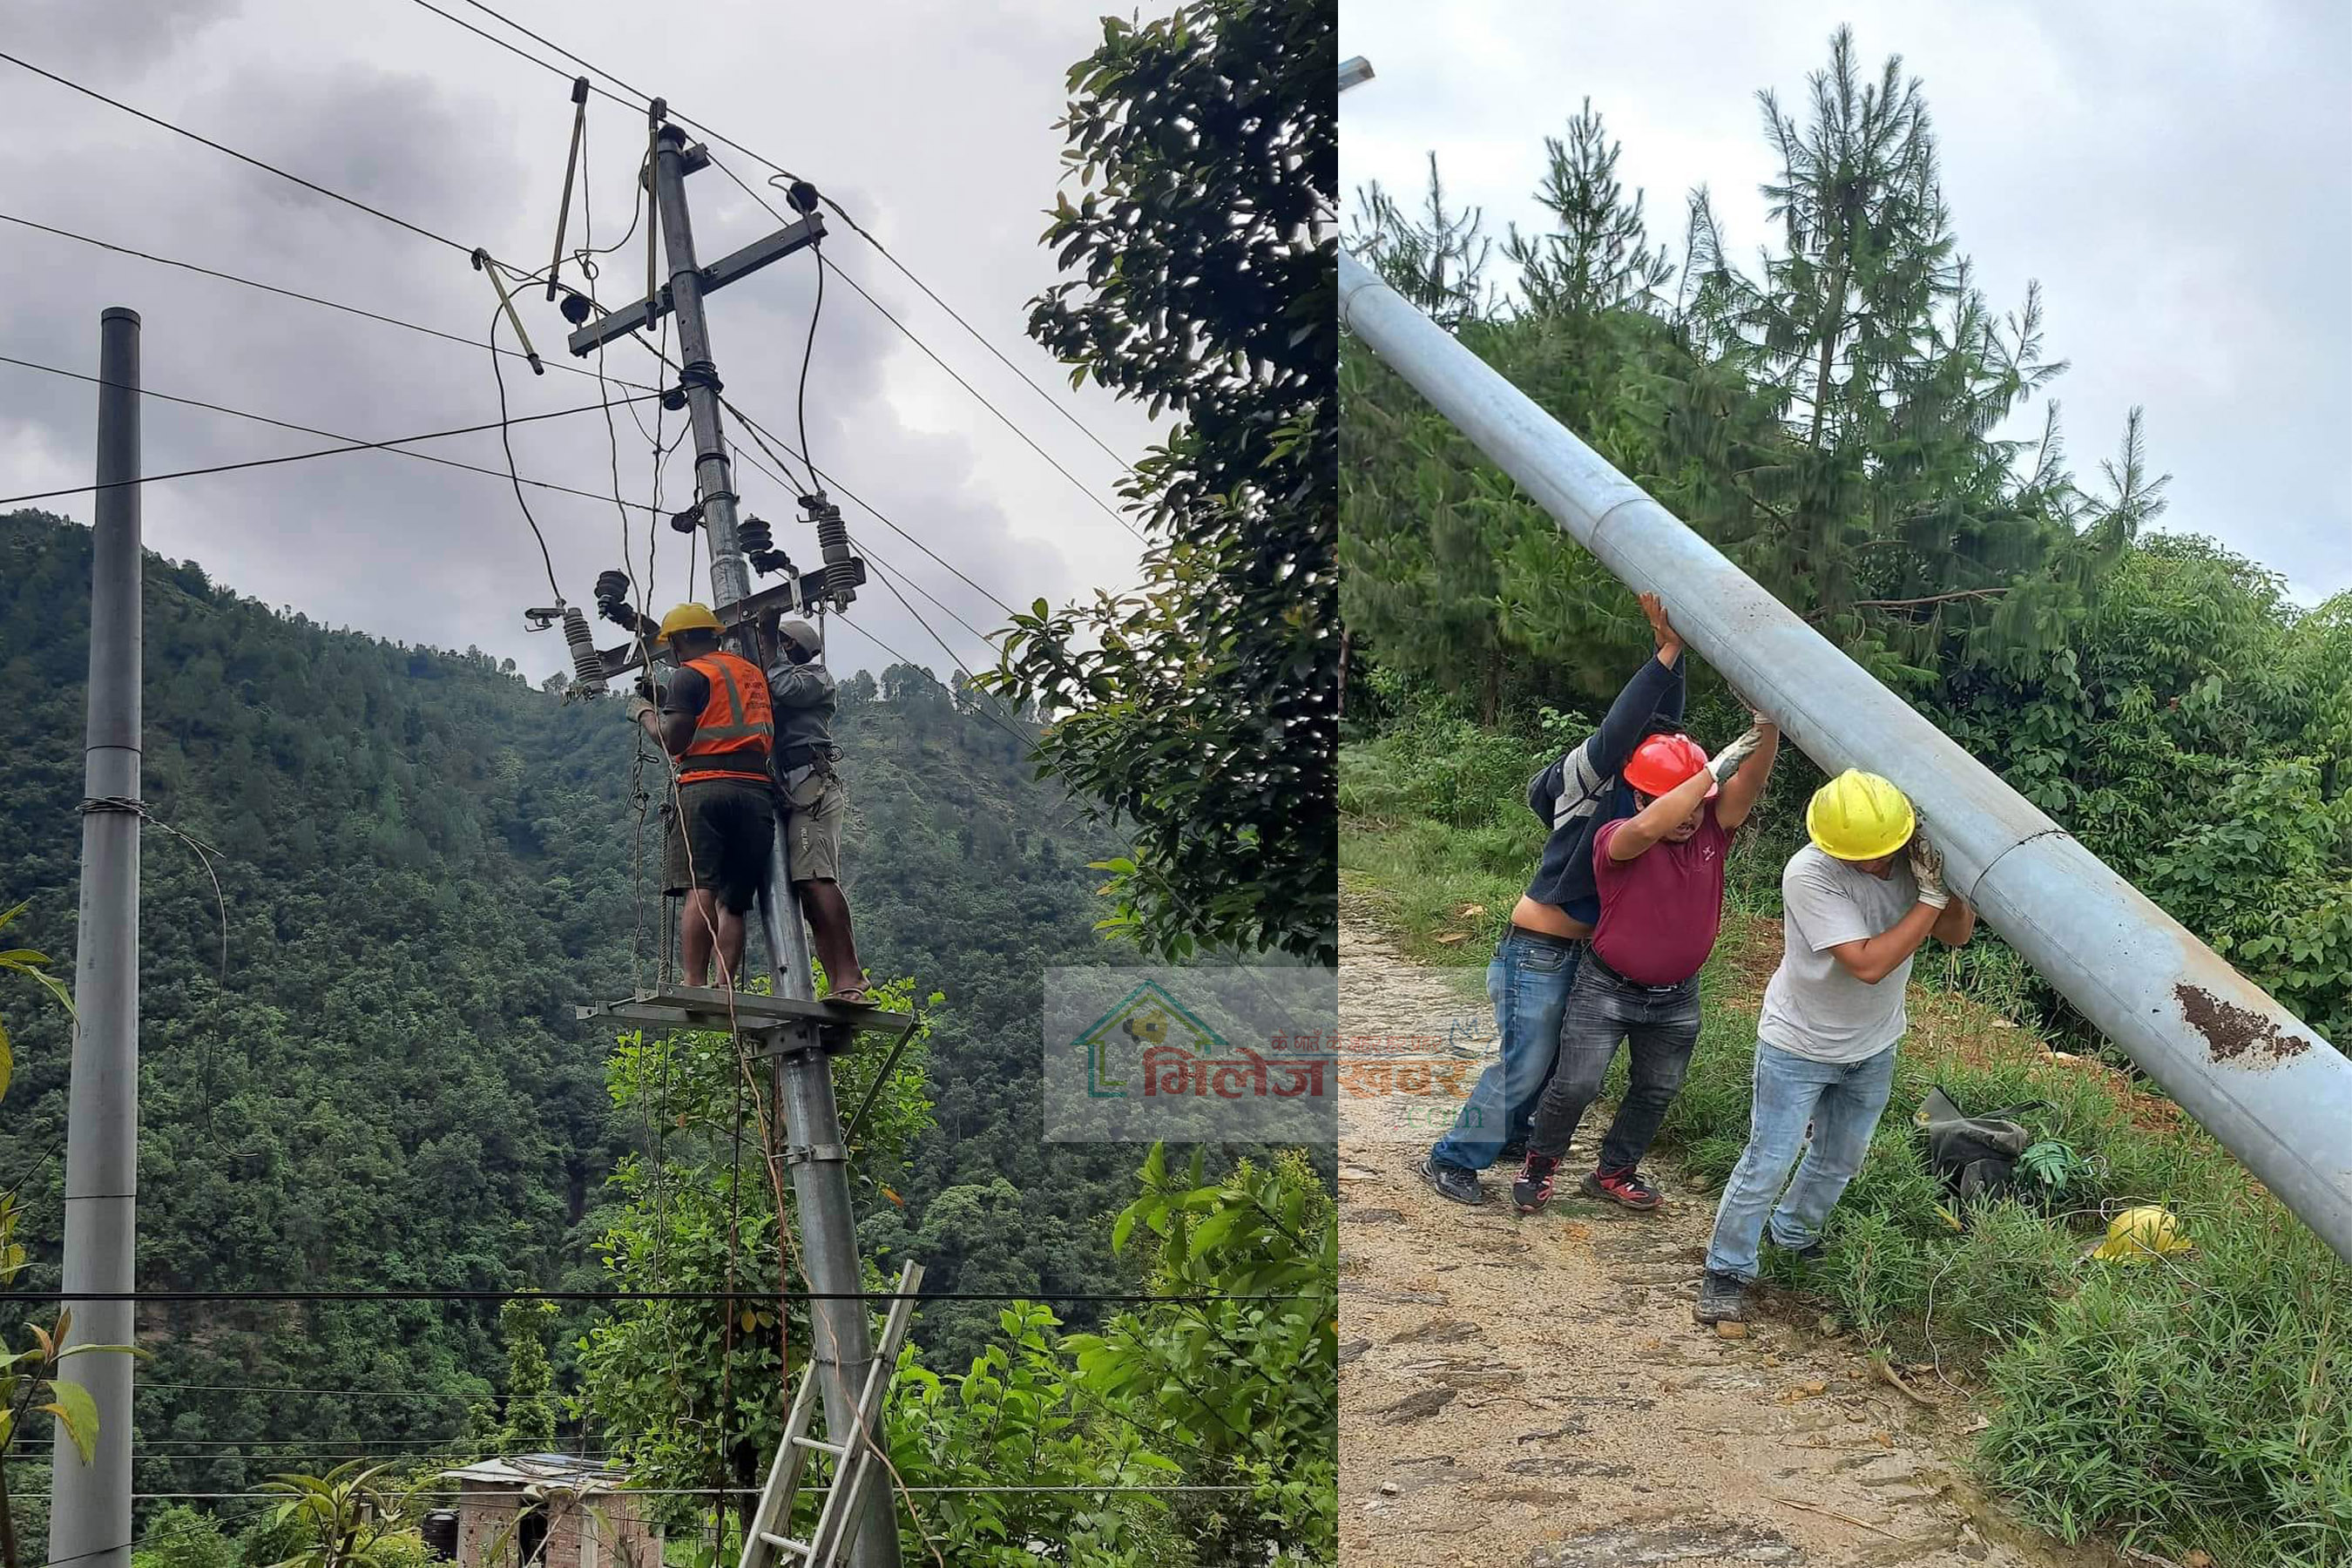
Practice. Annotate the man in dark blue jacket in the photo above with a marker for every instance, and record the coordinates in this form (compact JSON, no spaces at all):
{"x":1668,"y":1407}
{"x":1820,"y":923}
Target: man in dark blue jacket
{"x":1535,"y":966}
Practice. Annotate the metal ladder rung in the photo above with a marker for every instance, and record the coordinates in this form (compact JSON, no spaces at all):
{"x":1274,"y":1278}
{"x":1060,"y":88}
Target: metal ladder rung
{"x":836,"y":1517}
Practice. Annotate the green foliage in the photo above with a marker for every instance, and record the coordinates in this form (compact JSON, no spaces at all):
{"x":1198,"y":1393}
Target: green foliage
{"x":354,"y":1516}
{"x":1200,"y":709}
{"x":1019,"y":1412}
{"x":30,"y":1384}
{"x":1248,"y":1378}
{"x":180,"y":1536}
{"x":2191,"y":1406}
{"x":692,"y":1390}
{"x":532,"y":1403}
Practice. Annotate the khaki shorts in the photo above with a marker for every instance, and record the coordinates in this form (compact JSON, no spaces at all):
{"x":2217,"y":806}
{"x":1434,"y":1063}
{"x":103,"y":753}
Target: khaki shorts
{"x":814,"y":813}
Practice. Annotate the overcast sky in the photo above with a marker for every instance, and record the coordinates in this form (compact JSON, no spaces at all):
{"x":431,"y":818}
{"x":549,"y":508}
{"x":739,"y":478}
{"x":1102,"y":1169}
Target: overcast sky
{"x":2175,"y":175}
{"x":931,"y":121}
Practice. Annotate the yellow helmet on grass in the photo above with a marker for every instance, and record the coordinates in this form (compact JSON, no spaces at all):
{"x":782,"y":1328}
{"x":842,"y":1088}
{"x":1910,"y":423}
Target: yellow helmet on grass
{"x":1859,"y":816}
{"x":688,"y":618}
{"x":2138,"y":1235}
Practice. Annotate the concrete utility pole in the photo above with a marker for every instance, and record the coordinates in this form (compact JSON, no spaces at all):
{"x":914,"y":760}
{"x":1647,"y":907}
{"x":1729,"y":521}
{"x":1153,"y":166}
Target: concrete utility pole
{"x":2256,"y":1076}
{"x":89,"y":1511}
{"x":815,"y":1151}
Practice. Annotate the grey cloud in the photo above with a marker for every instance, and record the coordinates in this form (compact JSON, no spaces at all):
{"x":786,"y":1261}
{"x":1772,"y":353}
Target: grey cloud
{"x":947,"y":157}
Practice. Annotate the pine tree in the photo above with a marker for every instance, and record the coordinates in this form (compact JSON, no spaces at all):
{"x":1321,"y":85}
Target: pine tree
{"x":1599,"y":259}
{"x":1438,"y":261}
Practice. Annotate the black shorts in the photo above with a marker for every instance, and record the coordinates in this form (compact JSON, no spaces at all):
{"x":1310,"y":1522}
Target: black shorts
{"x":730,"y":828}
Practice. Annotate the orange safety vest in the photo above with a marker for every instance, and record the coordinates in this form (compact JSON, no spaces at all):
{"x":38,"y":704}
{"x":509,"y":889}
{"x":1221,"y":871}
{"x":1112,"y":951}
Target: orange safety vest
{"x":736,"y":725}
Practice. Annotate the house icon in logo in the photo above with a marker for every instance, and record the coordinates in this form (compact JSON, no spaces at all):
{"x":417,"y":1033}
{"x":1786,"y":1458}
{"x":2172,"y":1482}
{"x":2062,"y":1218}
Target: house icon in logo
{"x":1146,"y":1018}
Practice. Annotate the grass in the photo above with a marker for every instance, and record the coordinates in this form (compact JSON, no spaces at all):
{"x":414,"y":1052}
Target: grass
{"x":2200,"y":1403}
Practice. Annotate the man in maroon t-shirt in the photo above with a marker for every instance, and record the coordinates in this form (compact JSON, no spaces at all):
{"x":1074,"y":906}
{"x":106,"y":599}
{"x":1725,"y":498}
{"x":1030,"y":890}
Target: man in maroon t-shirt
{"x":1660,"y":874}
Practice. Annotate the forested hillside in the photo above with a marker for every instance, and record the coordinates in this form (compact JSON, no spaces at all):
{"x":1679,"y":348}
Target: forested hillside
{"x":426,"y":862}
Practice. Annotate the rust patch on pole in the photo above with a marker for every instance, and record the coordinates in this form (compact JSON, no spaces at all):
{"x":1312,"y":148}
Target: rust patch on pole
{"x":2234,"y":1032}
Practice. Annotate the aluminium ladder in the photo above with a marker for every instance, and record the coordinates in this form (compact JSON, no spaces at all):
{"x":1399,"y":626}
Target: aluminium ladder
{"x":854,"y":1459}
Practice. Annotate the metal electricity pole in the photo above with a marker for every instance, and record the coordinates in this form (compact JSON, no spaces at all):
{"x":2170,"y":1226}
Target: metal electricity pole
{"x":89,"y":1511}
{"x":802,"y":1072}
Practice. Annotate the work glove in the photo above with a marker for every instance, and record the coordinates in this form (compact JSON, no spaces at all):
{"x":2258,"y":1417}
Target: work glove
{"x":1927,"y":870}
{"x":1726,"y":762}
{"x":637,"y":708}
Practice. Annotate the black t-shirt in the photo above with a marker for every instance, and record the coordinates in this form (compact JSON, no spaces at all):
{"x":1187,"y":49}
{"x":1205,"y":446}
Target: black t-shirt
{"x":686,"y":691}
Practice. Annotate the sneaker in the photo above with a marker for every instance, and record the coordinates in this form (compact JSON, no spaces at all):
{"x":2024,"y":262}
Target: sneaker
{"x":1533,"y":1189}
{"x":1450,"y":1181}
{"x":1812,"y":1252}
{"x":1624,"y":1186}
{"x":1721,"y":1298}
{"x":1513,"y":1152}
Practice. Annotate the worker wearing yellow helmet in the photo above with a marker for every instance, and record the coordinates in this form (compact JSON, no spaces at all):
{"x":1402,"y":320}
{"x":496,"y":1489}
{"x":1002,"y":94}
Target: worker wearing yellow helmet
{"x":716,"y":723}
{"x":1857,"y":903}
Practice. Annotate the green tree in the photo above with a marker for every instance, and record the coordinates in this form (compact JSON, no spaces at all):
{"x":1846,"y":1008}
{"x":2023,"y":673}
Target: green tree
{"x":1438,"y":262}
{"x":1200,"y":709}
{"x":1020,"y":1411}
{"x":691,"y":1393}
{"x":1598,"y":256}
{"x":532,"y":1407}
{"x":1243,"y":1373}
{"x":180,"y":1536}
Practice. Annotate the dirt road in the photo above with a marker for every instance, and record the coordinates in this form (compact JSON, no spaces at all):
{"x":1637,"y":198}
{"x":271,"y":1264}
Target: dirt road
{"x":1534,"y":1393}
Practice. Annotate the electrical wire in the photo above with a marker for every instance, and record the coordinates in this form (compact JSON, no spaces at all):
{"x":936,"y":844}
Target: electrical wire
{"x":808,"y":350}
{"x":527,"y":1294}
{"x":392,"y":443}
{"x":288,"y":293}
{"x":771,"y":164}
{"x":762,"y":436}
{"x":331,"y":435}
{"x":824,"y":266}
{"x":464,"y":249}
{"x":1104,"y":507}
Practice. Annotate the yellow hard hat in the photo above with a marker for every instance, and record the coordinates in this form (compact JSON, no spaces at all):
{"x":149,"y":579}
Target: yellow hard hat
{"x":1859,"y":816}
{"x":688,"y":618}
{"x":2139,"y":1233}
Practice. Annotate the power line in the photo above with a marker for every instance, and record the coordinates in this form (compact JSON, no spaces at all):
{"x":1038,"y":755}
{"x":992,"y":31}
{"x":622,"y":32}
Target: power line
{"x":980,"y":397}
{"x":749,"y":423}
{"x":526,"y":1293}
{"x":331,"y":435}
{"x":295,"y":294}
{"x":276,"y":1388}
{"x":757,"y":431}
{"x":300,"y":457}
{"x":856,"y":229}
{"x":465,"y":250}
{"x":1006,"y":419}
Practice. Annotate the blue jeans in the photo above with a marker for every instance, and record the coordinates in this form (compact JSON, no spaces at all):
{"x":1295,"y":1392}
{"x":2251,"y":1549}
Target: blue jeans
{"x":1529,"y":982}
{"x":1660,"y":1029}
{"x":1843,"y":1102}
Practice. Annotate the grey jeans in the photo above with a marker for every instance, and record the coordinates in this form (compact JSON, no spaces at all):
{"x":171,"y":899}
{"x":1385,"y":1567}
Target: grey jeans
{"x":1660,"y":1029}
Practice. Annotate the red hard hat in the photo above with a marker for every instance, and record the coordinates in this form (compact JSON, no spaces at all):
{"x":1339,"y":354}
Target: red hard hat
{"x":1660,"y":763}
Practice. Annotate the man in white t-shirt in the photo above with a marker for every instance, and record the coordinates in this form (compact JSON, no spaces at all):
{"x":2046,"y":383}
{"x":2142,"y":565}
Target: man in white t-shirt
{"x":1858,"y":902}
